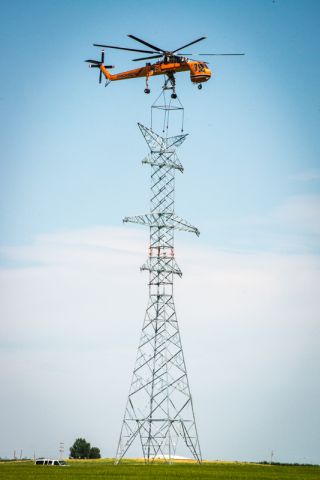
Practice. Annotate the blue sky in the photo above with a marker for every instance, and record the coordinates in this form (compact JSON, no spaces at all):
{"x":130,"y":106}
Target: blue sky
{"x":70,"y":171}
{"x":257,"y":120}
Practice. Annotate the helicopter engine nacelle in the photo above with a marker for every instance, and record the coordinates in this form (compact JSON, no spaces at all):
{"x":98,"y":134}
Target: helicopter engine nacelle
{"x":199,"y":72}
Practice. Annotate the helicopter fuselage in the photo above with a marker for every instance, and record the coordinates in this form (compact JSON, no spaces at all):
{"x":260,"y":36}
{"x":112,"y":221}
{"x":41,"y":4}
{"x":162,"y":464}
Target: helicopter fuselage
{"x":199,"y":71}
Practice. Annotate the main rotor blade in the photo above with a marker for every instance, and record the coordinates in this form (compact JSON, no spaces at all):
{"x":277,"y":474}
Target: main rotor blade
{"x":123,"y":48}
{"x":146,"y":58}
{"x":146,"y":43}
{"x":188,"y":44}
{"x":221,"y":54}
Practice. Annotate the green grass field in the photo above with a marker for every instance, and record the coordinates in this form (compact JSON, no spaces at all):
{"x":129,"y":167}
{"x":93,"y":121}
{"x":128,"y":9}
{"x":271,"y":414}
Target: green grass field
{"x":104,"y":469}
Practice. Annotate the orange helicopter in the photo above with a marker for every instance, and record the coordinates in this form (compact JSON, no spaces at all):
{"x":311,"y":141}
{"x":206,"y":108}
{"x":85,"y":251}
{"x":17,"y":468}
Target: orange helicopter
{"x":170,"y":63}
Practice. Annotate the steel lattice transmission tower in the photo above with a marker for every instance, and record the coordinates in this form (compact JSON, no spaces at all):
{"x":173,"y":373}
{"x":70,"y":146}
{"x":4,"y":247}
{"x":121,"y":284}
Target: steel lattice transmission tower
{"x":159,"y":409}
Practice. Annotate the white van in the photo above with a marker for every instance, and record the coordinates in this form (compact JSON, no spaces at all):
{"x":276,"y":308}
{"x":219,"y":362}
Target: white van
{"x":50,"y":461}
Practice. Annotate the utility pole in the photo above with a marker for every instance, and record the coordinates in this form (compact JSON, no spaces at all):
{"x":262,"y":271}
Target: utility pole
{"x":61,"y":450}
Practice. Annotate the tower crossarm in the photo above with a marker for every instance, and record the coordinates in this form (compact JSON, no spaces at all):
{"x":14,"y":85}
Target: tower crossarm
{"x":158,"y":143}
{"x":161,"y":159}
{"x":156,"y":264}
{"x":163,"y":220}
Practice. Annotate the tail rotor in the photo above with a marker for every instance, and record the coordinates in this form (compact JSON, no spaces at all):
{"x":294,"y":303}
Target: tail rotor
{"x":97,"y":64}
{"x":102,"y":63}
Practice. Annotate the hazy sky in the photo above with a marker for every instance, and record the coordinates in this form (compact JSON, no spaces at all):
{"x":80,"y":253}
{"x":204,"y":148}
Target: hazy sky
{"x":72,"y":297}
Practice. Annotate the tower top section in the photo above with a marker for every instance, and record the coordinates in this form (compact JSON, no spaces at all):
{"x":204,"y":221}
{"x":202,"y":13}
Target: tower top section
{"x":162,"y":149}
{"x":160,"y":144}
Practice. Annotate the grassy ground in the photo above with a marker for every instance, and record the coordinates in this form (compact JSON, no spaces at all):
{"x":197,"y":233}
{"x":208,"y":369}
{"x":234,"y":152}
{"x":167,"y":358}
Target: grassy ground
{"x":104,"y":469}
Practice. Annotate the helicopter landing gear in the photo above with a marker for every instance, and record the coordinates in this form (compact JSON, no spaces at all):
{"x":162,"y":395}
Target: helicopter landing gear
{"x":199,"y":86}
{"x":147,"y":89}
